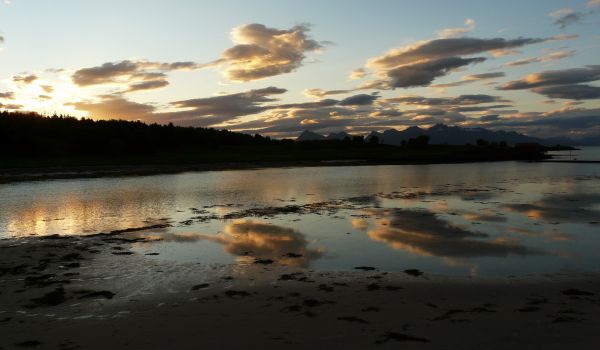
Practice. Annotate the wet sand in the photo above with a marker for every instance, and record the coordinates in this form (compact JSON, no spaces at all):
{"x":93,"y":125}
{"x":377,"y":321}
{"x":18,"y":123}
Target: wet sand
{"x":94,"y":293}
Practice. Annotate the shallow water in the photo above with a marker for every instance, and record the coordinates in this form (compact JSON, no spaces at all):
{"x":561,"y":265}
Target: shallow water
{"x":585,"y":153}
{"x":508,"y":218}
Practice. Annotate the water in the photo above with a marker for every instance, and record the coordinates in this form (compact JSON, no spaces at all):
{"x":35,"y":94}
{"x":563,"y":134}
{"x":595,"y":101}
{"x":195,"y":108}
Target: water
{"x":586,"y":153}
{"x":492,"y":219}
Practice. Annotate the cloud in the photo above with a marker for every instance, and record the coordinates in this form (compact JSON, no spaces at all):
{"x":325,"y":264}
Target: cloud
{"x":47,"y":88}
{"x":554,"y":56}
{"x":359,"y":100}
{"x":147,"y":85}
{"x":421,"y":63}
{"x":470,"y":25}
{"x":320,"y":93}
{"x":563,"y":37}
{"x":566,"y":17}
{"x":423,"y":73}
{"x":115,"y":107}
{"x":309,"y":105}
{"x":471,"y":79}
{"x":566,"y":121}
{"x":206,"y":111}
{"x":357,"y":74}
{"x":572,"y":92}
{"x":483,"y":76}
{"x":9,"y":95}
{"x":137,"y":75}
{"x":555,"y":77}
{"x":462,"y":100}
{"x":593,"y":3}
{"x":489,"y":118}
{"x":11,"y":106}
{"x":437,"y":48}
{"x":262,"y":52}
{"x":25,"y":79}
{"x":226,"y":107}
{"x":564,"y":83}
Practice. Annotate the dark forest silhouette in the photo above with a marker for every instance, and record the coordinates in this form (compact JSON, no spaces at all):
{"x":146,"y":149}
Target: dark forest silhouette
{"x":33,"y":140}
{"x":33,"y":134}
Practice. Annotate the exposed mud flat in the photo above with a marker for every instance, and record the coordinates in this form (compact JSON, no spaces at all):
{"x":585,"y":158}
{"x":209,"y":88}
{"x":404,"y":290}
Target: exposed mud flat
{"x":95,"y":292}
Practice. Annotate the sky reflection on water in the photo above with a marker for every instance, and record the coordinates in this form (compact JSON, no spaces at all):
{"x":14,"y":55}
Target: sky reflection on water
{"x":488,"y":219}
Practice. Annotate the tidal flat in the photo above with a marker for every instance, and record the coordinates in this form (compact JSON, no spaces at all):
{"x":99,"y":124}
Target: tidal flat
{"x":495,"y":255}
{"x":91,"y":293}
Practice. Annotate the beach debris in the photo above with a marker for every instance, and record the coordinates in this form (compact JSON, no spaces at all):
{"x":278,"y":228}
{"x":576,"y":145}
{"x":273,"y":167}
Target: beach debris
{"x":413,"y":272}
{"x":53,"y":298}
{"x":352,"y":319}
{"x":264,"y":261}
{"x":29,"y":344}
{"x":237,"y":293}
{"x":373,"y":286}
{"x":122,"y":253}
{"x":400,"y":337}
{"x":290,"y":276}
{"x":528,"y":309}
{"x":97,"y":294}
{"x":370,"y":309}
{"x":200,"y":286}
{"x":316,"y":303}
{"x":576,"y":292}
{"x":365,"y":268}
{"x":325,"y":288}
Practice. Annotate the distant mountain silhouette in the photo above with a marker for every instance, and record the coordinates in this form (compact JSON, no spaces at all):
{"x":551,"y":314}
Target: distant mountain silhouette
{"x":339,"y":136}
{"x":310,"y":136}
{"x":439,"y":134}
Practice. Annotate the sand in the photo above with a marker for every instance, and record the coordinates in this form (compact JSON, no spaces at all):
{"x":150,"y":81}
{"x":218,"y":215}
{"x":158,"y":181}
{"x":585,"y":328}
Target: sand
{"x":95,"y":293}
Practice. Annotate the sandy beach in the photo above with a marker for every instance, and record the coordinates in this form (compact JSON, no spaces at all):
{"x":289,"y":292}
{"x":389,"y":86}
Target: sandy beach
{"x":94,"y":293}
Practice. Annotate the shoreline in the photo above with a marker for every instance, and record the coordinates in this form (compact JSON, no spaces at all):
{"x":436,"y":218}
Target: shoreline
{"x":93,"y":292}
{"x":13,"y":175}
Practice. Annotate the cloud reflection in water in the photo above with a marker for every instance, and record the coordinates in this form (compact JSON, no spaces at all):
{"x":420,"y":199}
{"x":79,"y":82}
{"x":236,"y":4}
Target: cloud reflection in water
{"x":422,"y":232}
{"x":570,"y":208}
{"x":250,"y":238}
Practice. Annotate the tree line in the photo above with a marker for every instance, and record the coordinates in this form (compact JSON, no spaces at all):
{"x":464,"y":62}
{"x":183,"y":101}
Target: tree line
{"x":37,"y":135}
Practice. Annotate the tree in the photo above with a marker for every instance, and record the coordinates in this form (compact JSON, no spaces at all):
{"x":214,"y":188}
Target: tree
{"x":420,"y":141}
{"x":482,"y":142}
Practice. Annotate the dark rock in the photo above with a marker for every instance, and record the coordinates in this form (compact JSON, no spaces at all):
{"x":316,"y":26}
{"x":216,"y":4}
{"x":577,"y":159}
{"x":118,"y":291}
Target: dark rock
{"x":352,"y":319}
{"x":413,"y":272}
{"x":365,"y":268}
{"x":237,"y":293}
{"x":200,"y":286}
{"x":576,"y":292}
{"x":528,"y":309}
{"x":29,"y":344}
{"x":399,"y":337}
{"x":325,"y":288}
{"x":53,"y":298}
{"x":98,"y":294}
{"x":263,"y":261}
{"x":373,"y":286}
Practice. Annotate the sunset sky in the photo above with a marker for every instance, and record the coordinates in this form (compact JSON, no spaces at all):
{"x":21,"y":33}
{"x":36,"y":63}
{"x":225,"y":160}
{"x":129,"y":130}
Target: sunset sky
{"x":281,"y":67}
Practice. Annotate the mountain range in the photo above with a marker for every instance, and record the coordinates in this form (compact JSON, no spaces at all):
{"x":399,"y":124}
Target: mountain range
{"x":441,"y":134}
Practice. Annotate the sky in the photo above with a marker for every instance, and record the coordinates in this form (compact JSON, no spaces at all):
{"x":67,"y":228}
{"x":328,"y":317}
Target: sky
{"x":281,"y":67}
